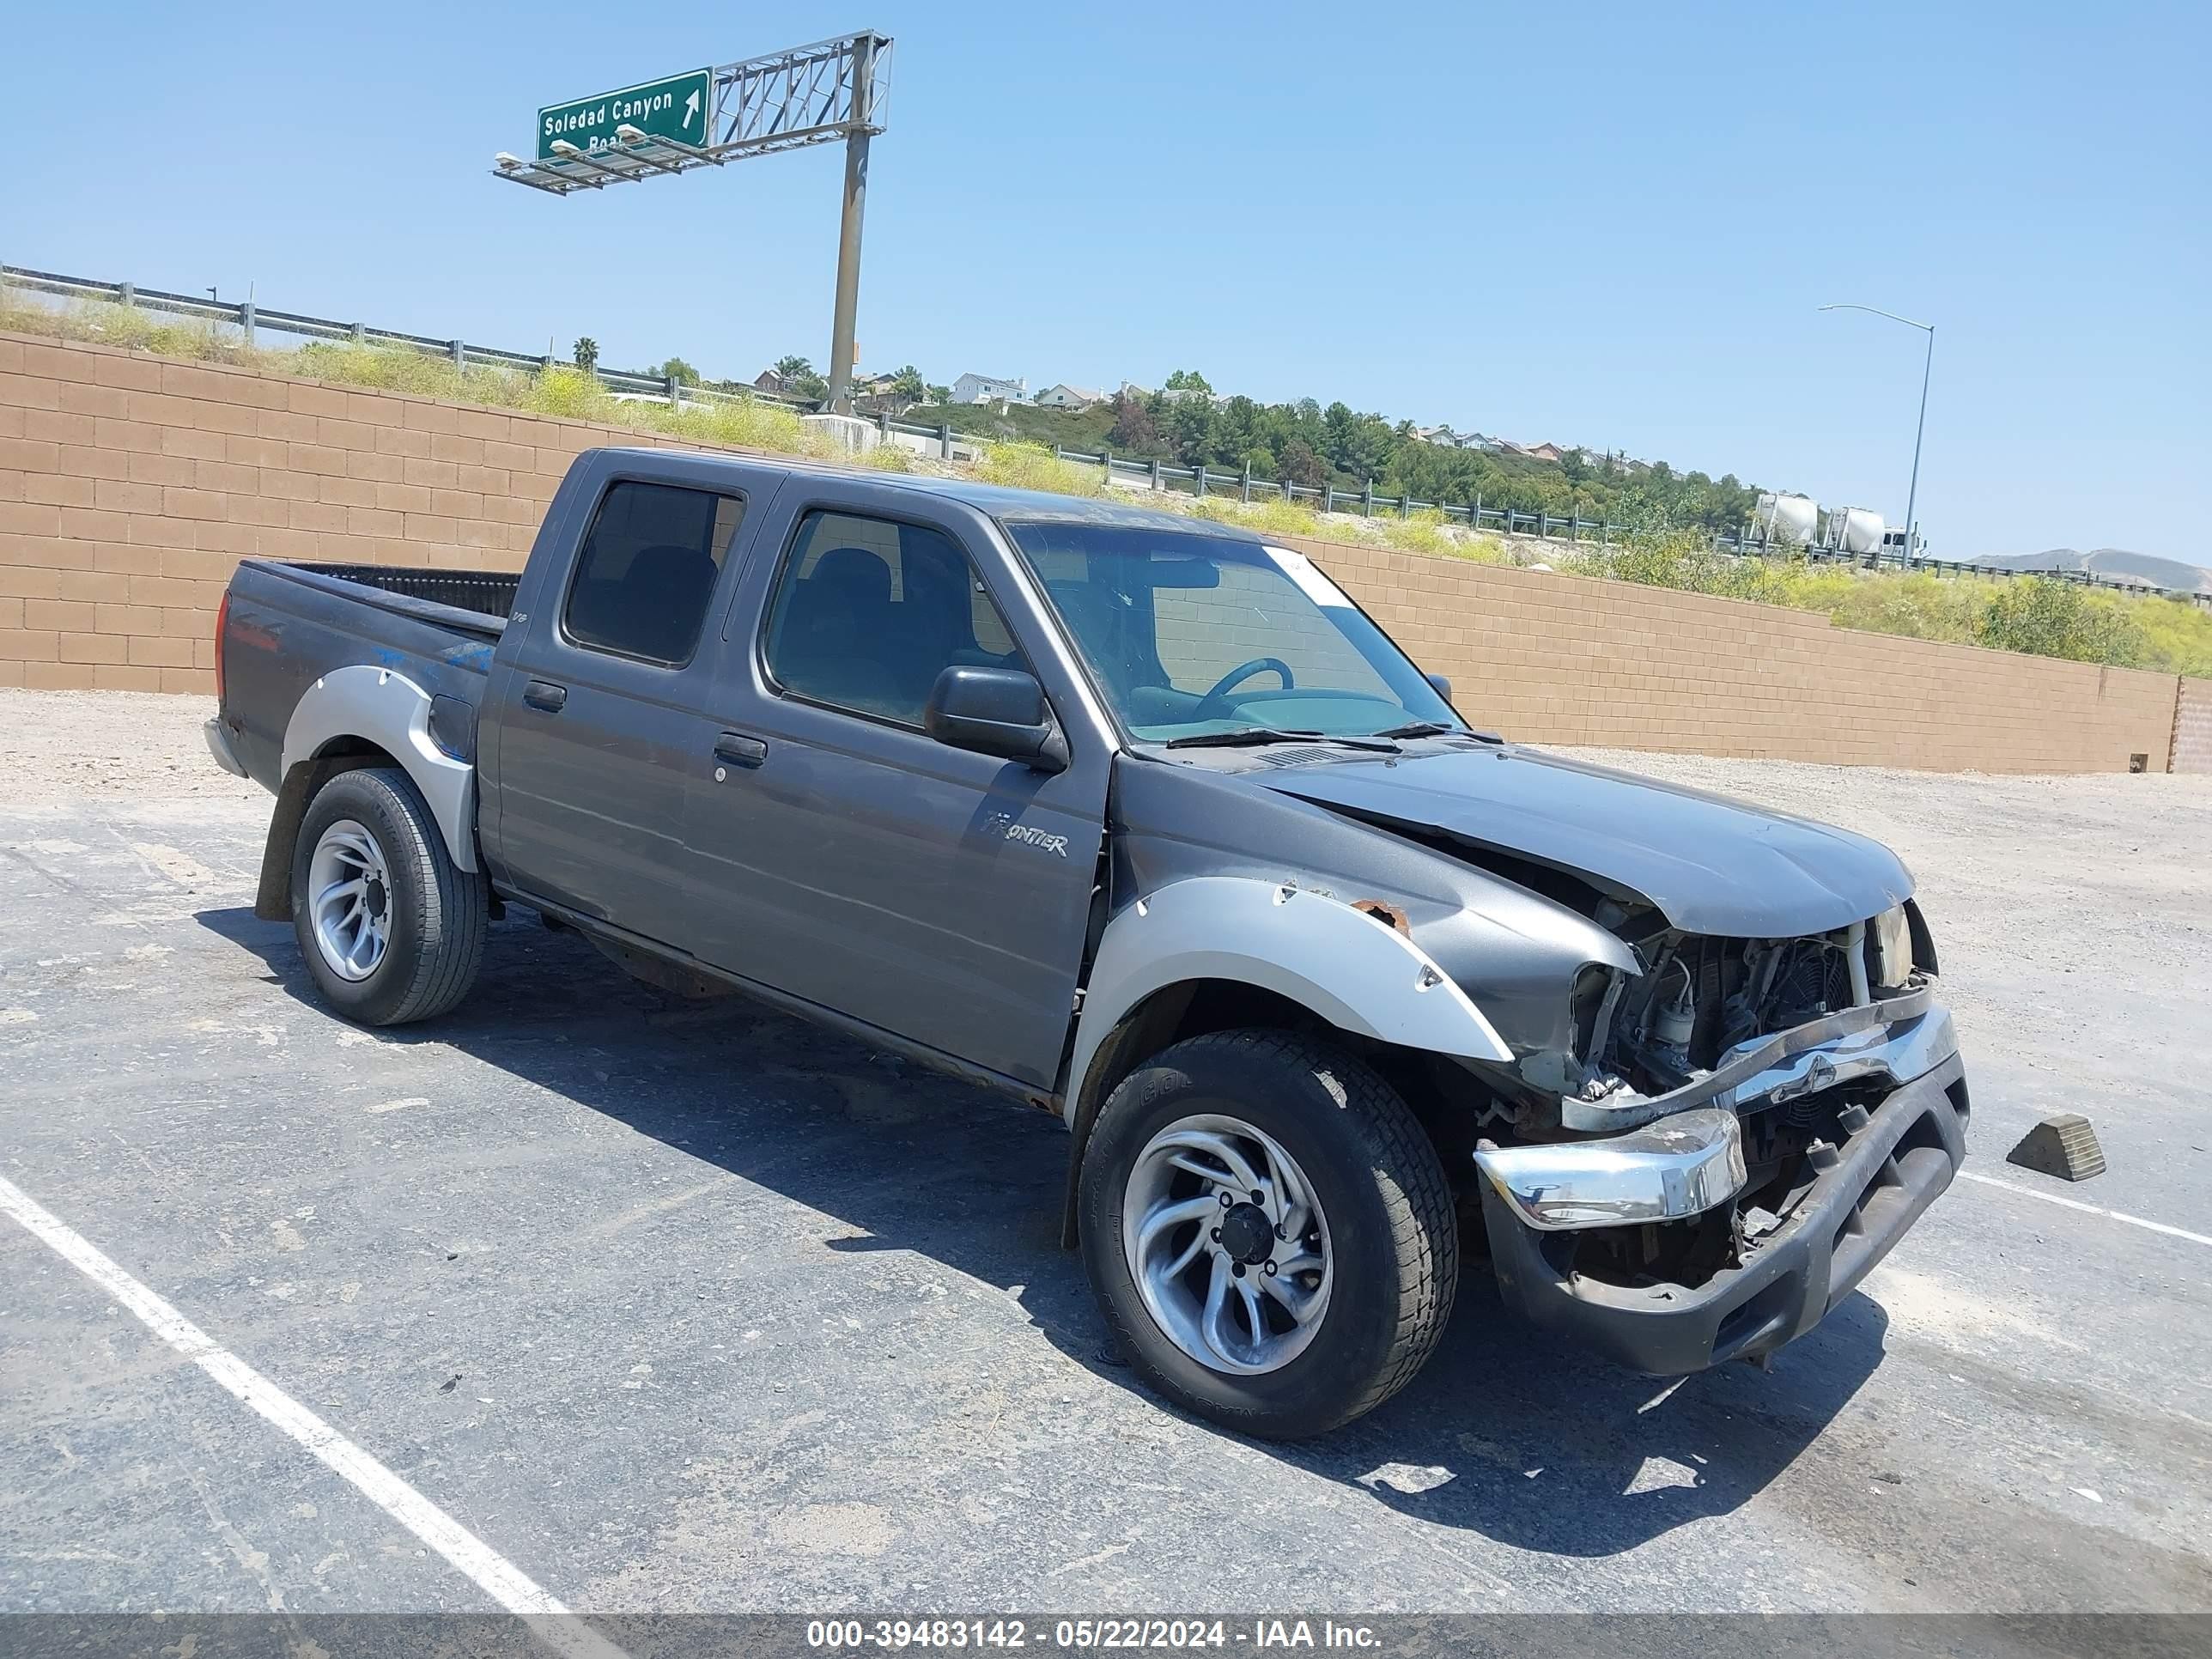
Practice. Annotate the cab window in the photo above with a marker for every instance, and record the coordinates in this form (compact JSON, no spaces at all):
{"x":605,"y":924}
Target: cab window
{"x":647,"y":570}
{"x":867,"y":612}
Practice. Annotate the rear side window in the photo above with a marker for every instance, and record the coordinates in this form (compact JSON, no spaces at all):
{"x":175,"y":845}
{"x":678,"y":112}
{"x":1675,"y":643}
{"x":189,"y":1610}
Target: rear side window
{"x":868,"y":612}
{"x":647,"y":570}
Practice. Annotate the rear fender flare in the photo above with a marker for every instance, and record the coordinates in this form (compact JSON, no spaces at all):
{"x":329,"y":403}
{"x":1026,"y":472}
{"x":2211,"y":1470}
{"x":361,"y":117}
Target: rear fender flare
{"x":1355,"y":971}
{"x":384,"y":707}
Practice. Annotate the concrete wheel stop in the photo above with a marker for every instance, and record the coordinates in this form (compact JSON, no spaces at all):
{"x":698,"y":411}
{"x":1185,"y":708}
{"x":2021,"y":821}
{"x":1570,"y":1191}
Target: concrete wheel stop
{"x":2063,"y":1144}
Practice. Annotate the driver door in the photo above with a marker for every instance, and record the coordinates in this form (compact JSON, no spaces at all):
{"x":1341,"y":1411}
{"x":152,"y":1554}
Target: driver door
{"x":854,"y":860}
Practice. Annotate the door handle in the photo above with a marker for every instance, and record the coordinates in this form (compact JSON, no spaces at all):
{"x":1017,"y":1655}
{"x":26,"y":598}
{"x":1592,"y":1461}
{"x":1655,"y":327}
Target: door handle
{"x":543,"y":694}
{"x":739,"y":750}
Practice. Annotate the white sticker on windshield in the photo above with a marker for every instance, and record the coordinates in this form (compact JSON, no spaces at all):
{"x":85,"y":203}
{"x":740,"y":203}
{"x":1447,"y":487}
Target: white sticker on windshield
{"x":1311,"y":583}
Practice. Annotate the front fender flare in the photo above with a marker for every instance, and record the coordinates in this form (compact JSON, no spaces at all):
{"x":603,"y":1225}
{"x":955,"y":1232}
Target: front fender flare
{"x":384,"y":707}
{"x":1354,"y":970}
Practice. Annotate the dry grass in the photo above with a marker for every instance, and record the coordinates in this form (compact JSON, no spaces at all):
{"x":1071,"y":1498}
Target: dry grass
{"x":2037,"y":616}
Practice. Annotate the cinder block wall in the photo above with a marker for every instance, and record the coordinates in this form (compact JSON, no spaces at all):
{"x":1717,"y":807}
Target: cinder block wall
{"x":1566,"y":660}
{"x":130,"y":487}
{"x":2192,"y":727}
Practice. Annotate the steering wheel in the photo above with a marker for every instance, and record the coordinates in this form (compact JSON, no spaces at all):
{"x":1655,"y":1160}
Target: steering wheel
{"x":1236,"y":676}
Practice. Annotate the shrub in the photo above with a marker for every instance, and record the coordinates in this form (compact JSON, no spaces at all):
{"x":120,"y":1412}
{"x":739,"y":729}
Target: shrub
{"x":2048,"y":618}
{"x":2036,"y":615}
{"x":1032,"y":466}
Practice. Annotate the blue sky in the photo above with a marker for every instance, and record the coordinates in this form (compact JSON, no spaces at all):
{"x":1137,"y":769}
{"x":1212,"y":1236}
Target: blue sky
{"x":1595,"y":224}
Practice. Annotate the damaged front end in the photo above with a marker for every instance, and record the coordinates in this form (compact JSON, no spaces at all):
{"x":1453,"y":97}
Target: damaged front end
{"x":1728,"y":1088}
{"x":1743,"y":1130}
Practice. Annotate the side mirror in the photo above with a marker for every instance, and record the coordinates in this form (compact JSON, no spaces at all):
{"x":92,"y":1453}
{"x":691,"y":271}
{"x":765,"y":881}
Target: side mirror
{"x":995,"y":711}
{"x":1441,"y":683}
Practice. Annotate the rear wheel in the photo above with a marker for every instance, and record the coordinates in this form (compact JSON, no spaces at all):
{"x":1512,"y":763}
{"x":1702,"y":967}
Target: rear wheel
{"x":392,"y":929}
{"x":1268,"y":1230}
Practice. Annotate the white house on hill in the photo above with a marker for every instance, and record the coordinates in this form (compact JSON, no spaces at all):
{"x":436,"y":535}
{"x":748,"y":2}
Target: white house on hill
{"x":989,"y":389}
{"x":1065,"y":396}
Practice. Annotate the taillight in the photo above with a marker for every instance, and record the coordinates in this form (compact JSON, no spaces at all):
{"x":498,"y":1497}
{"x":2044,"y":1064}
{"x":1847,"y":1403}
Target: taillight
{"x":221,"y":627}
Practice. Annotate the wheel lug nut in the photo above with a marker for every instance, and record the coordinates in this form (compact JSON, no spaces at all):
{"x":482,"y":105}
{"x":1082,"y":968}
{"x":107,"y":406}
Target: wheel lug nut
{"x":1237,"y":1268}
{"x":1270,"y":1270}
{"x":1216,"y":1235}
{"x":1226,"y":1201}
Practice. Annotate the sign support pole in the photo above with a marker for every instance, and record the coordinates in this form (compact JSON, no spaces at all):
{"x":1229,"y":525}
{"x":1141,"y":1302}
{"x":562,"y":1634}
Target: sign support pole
{"x":810,"y":95}
{"x":848,"y":229}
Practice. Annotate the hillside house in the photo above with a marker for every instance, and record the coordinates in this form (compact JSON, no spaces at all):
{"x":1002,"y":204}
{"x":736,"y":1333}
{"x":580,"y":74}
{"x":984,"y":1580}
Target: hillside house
{"x":1064,"y":396}
{"x":989,"y":389}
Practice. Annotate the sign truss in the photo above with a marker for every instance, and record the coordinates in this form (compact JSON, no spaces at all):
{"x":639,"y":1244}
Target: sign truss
{"x":812,"y":95}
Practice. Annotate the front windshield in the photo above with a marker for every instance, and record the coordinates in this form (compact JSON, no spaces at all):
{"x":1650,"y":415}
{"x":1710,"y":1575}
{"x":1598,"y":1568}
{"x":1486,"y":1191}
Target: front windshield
{"x":1193,"y":634}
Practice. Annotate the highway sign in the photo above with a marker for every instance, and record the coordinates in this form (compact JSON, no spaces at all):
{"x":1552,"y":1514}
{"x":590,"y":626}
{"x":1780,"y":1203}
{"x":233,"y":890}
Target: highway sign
{"x":676,"y":106}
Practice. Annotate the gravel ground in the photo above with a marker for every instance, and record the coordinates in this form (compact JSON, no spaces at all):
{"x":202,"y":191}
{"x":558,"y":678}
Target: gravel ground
{"x":65,"y":746}
{"x":695,"y":1309}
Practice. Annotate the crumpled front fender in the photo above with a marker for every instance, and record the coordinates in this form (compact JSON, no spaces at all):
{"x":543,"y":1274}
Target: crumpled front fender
{"x":1352,"y":968}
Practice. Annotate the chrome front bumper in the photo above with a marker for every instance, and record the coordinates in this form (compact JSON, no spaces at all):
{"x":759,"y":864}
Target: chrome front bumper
{"x":1892,"y":1165}
{"x":1900,"y":1038}
{"x":1682,"y":1166}
{"x":1680,"y":1154}
{"x":1895,"y":1154}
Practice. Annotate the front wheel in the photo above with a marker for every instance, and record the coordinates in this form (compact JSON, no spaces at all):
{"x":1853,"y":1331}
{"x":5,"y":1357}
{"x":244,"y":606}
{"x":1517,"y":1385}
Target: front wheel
{"x":392,"y":929}
{"x":1268,"y":1231}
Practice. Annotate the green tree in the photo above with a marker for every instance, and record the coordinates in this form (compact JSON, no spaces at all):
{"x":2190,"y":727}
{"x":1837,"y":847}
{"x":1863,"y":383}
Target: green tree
{"x":1189,"y":380}
{"x":1301,"y":465}
{"x":1190,"y":427}
{"x":908,"y":383}
{"x":677,"y":370}
{"x":800,"y":379}
{"x":586,"y":354}
{"x":1362,"y":446}
{"x":1340,"y":435}
{"x":1237,"y":432}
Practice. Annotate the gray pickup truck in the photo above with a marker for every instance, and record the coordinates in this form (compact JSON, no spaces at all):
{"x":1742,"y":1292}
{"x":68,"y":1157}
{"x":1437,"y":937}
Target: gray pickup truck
{"x":1141,"y":820}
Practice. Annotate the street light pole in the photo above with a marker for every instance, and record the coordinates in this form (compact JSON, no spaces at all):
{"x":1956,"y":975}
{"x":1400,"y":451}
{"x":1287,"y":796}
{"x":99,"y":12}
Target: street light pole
{"x":1927,"y":367}
{"x":1912,"y":489}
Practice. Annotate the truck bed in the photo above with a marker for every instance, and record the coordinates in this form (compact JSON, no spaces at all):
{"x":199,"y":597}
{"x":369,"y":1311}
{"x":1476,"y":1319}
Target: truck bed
{"x":288,"y":624}
{"x":481,"y":593}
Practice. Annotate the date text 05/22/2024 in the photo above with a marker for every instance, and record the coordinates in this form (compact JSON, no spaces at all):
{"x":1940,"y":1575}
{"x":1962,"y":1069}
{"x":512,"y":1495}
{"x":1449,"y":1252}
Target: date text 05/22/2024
{"x":1092,"y":1635}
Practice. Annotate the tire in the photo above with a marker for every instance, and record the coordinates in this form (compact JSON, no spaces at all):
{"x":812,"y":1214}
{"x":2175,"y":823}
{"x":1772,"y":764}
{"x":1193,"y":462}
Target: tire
{"x":371,"y":826}
{"x":1389,"y":1242}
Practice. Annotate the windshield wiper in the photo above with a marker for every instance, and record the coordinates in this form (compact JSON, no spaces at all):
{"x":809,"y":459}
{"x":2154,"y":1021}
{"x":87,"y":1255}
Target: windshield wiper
{"x":1437,"y":729}
{"x":1252,"y":736}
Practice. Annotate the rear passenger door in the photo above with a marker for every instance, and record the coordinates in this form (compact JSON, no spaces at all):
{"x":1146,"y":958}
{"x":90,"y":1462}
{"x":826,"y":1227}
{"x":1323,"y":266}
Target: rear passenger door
{"x":845,"y":857}
{"x":599,"y":701}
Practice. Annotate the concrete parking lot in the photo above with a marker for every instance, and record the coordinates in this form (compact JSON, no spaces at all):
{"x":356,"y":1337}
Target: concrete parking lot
{"x":687,"y":1307}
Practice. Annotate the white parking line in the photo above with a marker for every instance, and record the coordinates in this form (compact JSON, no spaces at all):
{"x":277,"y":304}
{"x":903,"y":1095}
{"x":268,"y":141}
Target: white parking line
{"x":490,"y":1572}
{"x":2088,"y":1209}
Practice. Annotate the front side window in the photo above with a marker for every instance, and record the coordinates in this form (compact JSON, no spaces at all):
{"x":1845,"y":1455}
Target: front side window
{"x":868,"y":612}
{"x":647,"y":568}
{"x":1190,"y":635}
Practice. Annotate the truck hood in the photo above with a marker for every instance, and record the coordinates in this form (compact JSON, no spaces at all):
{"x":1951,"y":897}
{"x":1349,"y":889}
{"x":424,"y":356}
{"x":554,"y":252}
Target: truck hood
{"x":1710,"y":865}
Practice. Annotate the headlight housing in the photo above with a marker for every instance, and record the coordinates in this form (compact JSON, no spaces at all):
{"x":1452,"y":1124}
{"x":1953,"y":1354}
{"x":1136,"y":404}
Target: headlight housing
{"x":1889,"y":939}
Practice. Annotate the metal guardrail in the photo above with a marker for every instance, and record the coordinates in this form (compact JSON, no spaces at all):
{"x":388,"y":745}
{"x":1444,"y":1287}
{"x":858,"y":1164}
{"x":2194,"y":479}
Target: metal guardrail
{"x":1199,"y":480}
{"x":251,"y":320}
{"x":1203,"y":482}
